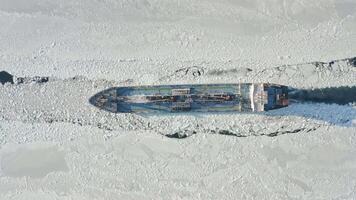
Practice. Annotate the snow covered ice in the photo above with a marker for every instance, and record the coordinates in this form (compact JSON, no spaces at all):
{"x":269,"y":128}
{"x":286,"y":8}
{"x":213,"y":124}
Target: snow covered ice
{"x":55,"y":55}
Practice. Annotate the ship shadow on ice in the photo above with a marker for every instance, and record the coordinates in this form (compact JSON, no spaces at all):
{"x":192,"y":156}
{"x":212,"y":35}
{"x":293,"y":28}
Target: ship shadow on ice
{"x":334,"y":105}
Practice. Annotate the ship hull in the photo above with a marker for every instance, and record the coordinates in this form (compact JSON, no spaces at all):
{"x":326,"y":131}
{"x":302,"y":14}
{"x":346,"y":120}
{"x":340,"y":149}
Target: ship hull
{"x":243,"y":97}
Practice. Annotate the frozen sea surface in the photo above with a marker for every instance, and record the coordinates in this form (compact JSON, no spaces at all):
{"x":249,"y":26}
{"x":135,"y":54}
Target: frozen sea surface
{"x":55,"y":145}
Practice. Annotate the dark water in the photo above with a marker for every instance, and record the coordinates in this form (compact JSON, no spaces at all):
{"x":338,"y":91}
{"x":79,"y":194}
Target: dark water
{"x":333,"y":95}
{"x":353,"y":61}
{"x":5,"y":77}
